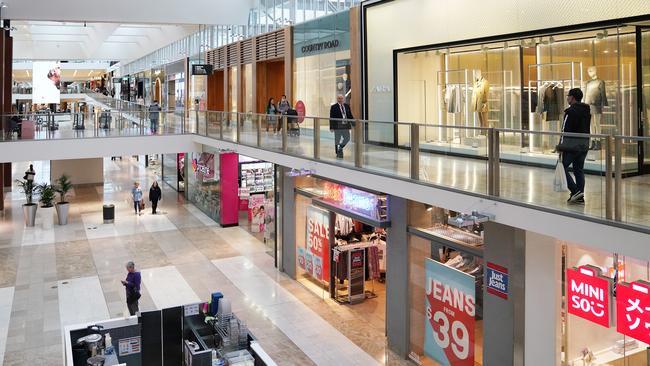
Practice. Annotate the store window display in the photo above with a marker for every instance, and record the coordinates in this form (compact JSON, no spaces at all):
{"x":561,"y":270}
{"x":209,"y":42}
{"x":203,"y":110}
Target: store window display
{"x":257,"y":199}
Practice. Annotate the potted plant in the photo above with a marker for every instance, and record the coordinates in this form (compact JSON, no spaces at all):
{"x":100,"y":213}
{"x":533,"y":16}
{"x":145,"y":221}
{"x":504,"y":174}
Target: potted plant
{"x":48,"y":195}
{"x":63,"y":186}
{"x":29,"y":208}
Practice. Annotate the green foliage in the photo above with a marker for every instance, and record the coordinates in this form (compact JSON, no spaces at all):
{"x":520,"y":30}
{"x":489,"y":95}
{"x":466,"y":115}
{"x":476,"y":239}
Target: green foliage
{"x":63,"y":186}
{"x":47,"y":193}
{"x":27,"y":187}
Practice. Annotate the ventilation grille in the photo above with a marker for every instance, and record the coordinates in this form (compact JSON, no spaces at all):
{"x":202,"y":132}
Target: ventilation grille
{"x":233,"y":56}
{"x":270,"y":45}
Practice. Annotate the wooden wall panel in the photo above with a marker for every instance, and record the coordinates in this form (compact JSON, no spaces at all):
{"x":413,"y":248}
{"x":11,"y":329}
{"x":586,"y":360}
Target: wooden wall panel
{"x":270,"y":82}
{"x":215,"y":91}
{"x":355,"y":62}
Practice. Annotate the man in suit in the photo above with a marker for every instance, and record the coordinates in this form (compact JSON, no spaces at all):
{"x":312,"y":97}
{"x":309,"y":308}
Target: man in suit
{"x":340,"y":124}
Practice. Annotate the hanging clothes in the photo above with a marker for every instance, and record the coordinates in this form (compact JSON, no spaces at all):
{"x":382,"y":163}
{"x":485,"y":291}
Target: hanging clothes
{"x":343,"y":225}
{"x":453,"y":98}
{"x":373,"y":262}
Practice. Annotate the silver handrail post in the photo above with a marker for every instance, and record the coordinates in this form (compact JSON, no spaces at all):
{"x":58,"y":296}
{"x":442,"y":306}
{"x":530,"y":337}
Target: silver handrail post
{"x":618,"y":178}
{"x":284,"y":133}
{"x":238,"y":119}
{"x":415,"y":151}
{"x":609,"y":199}
{"x":493,"y":179}
{"x":259,"y":129}
{"x":358,"y":144}
{"x":316,"y":138}
{"x":222,"y":114}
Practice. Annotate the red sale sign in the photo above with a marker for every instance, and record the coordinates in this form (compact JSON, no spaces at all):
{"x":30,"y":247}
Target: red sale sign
{"x":318,"y":224}
{"x":589,"y":294}
{"x":633,"y":310}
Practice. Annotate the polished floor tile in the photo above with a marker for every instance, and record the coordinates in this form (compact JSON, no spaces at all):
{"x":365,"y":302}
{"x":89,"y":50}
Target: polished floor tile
{"x":6,"y":300}
{"x":205,"y":220}
{"x":167,"y":287}
{"x":81,"y":300}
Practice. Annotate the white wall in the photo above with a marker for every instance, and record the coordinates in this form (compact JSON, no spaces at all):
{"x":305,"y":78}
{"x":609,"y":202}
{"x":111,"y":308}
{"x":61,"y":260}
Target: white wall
{"x":80,"y":171}
{"x":407,"y":23}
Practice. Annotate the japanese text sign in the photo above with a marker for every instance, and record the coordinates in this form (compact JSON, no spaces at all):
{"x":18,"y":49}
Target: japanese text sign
{"x":633,"y":310}
{"x":589,"y":294}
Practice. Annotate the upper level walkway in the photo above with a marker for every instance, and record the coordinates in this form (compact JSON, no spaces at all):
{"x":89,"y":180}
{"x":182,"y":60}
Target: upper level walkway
{"x":484,"y":163}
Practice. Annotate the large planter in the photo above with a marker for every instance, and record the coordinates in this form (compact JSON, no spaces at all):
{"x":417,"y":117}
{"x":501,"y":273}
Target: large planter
{"x":29,"y":211}
{"x":47,"y":217}
{"x":62,"y":212}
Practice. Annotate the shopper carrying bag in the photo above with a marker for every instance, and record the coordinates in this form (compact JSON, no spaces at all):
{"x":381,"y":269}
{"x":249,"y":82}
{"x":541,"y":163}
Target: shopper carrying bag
{"x":560,"y":183}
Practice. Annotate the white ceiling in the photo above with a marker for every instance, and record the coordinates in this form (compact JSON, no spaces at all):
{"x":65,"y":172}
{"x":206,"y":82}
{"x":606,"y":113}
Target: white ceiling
{"x":47,"y":40}
{"x":132,"y":11}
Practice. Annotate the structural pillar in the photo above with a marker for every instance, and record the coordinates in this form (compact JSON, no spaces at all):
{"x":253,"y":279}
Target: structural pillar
{"x":288,"y":207}
{"x":397,"y":277}
{"x":503,"y":319}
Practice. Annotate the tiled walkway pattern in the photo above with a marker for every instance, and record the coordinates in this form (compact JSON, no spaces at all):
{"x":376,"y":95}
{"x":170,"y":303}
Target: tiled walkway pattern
{"x":72,"y":274}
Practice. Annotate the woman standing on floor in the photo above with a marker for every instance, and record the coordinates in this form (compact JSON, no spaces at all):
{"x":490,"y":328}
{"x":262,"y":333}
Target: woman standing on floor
{"x":136,"y":194}
{"x":155,"y":195}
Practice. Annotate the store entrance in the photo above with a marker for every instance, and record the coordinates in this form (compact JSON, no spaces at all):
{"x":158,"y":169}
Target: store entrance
{"x":269,"y":83}
{"x":341,"y":243}
{"x":643,"y":35}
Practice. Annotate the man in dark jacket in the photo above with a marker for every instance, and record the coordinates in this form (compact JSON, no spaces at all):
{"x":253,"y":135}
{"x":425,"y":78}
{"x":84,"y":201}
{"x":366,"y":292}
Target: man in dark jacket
{"x":577,"y":119}
{"x":340,"y":124}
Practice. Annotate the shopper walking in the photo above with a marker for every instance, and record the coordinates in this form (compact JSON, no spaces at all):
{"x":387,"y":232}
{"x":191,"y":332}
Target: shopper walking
{"x":573,"y":150}
{"x":271,"y":111}
{"x":30,"y":174}
{"x":132,"y":285}
{"x":283,"y":107}
{"x":154,"y":114}
{"x":136,"y":193}
{"x":340,"y":124}
{"x":155,"y":195}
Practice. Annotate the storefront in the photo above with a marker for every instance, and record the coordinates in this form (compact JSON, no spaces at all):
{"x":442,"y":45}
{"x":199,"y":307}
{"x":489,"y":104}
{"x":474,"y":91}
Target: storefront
{"x":322,"y":62}
{"x":173,"y":170}
{"x":176,"y":86}
{"x":517,"y":81}
{"x":257,"y":200}
{"x":158,"y":87}
{"x":341,"y":243}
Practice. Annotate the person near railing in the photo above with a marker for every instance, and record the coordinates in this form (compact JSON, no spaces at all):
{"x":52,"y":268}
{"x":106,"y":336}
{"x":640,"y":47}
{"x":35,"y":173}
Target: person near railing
{"x":340,"y":114}
{"x":271,"y":119}
{"x":154,"y":114}
{"x":283,"y":107}
{"x":573,"y":150}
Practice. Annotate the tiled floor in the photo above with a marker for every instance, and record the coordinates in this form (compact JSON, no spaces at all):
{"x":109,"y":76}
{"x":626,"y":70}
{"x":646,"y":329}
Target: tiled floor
{"x":73,"y":275}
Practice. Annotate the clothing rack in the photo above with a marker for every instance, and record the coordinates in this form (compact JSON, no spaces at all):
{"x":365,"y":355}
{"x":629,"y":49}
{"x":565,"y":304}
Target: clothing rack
{"x":346,"y":249}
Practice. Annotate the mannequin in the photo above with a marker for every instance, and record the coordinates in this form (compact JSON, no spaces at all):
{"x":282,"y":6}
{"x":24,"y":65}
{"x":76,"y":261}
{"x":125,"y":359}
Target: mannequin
{"x":480,"y":98}
{"x":596,"y":97}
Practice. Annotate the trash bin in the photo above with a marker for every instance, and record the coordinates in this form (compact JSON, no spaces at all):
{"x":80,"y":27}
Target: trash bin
{"x":109,"y":213}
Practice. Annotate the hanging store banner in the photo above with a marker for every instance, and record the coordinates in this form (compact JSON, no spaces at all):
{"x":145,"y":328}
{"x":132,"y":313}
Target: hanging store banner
{"x":633,"y":310}
{"x":450,"y":302}
{"x":589,"y":294}
{"x":318,"y":227}
{"x":497,"y":280}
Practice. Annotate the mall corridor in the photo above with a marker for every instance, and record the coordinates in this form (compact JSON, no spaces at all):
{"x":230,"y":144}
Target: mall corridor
{"x":73,"y":274}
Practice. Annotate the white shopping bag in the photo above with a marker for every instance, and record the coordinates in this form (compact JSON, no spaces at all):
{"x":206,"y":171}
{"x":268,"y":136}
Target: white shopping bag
{"x":559,"y":183}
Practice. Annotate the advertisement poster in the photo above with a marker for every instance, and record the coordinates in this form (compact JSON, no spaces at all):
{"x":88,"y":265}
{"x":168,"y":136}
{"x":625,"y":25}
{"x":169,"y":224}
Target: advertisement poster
{"x":46,"y":81}
{"x":256,"y":204}
{"x":633,"y":310}
{"x":301,"y":258}
{"x":450,"y":303}
{"x":318,"y":239}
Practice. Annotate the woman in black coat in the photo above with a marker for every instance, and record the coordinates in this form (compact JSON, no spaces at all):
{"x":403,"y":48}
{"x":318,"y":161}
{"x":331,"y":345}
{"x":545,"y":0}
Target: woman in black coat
{"x":155,"y":195}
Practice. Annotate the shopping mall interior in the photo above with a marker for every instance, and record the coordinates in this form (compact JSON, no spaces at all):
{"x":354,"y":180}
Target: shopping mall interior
{"x":325,"y":182}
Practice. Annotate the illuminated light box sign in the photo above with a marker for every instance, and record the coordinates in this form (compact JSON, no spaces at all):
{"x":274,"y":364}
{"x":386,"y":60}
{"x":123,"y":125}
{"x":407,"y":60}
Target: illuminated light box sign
{"x":353,"y":200}
{"x":314,"y":257}
{"x":589,"y":295}
{"x":633,"y":310}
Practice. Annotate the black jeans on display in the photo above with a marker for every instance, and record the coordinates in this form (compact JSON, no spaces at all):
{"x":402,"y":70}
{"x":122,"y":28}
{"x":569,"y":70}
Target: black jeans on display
{"x":341,"y":138}
{"x":577,"y":160}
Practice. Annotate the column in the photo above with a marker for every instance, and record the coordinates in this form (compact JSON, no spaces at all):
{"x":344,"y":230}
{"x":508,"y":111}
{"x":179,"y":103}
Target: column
{"x":288,"y":224}
{"x":503,"y":319}
{"x":397,"y":277}
{"x":543,"y":300}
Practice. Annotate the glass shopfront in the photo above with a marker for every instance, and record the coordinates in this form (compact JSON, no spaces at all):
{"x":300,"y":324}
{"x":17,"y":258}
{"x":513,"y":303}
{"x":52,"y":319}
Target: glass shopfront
{"x":257,"y":200}
{"x":173,"y":171}
{"x":445,"y":287}
{"x":322,"y":62}
{"x":522,"y":84}
{"x":203,"y":187}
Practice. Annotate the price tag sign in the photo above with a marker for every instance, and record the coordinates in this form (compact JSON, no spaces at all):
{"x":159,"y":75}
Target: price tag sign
{"x":589,"y":294}
{"x":450,"y":303}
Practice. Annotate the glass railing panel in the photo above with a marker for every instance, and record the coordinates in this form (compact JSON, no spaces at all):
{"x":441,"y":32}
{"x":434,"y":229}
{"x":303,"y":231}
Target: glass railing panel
{"x":633,"y":194}
{"x":455,"y":157}
{"x":333,"y":151}
{"x":229,"y":126}
{"x":214,"y":122}
{"x":248,"y":129}
{"x":385,"y":158}
{"x":527,"y":171}
{"x":300,"y":136}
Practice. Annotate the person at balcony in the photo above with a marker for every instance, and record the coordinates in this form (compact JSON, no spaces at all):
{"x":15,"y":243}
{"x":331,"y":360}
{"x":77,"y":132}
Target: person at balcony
{"x":271,"y":118}
{"x":573,"y":150}
{"x":340,"y":124}
{"x":283,"y":107}
{"x":154,"y":114}
{"x":155,"y":195}
{"x":136,"y":194}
